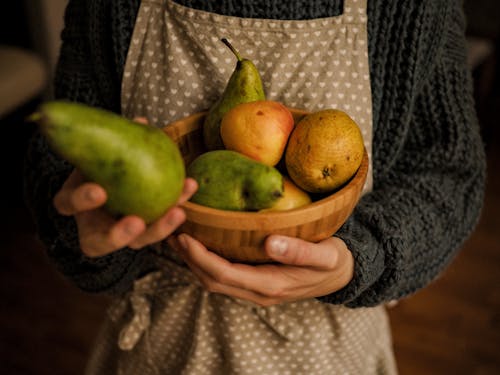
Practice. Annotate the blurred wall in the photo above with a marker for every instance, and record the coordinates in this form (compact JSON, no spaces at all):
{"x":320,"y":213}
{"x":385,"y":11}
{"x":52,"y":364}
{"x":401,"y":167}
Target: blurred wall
{"x":483,"y":17}
{"x":45,"y":22}
{"x":29,"y":43}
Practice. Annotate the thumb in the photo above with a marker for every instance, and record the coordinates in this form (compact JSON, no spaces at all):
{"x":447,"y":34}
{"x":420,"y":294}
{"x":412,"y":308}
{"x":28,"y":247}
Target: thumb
{"x":297,"y":252}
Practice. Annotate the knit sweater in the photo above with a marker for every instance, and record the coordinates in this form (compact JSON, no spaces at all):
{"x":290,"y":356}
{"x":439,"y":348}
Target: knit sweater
{"x":428,"y":159}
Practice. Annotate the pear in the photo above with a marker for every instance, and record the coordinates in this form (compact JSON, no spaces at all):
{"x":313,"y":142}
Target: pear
{"x":244,"y":85}
{"x":324,"y":151}
{"x":228,"y":180}
{"x":293,"y":197}
{"x":139,"y":166}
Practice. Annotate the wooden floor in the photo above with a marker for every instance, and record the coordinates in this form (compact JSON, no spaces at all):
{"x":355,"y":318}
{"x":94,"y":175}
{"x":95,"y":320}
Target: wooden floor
{"x":47,"y":327}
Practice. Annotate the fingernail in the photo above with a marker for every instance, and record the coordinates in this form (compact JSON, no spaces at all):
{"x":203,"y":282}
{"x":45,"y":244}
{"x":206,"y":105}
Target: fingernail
{"x":174,"y":219}
{"x":90,"y":195}
{"x":279,"y":246}
{"x":182,"y":241}
{"x":131,"y":229}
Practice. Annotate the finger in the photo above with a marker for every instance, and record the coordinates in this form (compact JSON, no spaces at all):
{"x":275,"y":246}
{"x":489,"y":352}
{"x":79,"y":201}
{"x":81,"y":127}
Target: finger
{"x":112,"y":235}
{"x":190,"y":187}
{"x":141,"y":120}
{"x":216,"y":287}
{"x":71,"y":200}
{"x":297,"y":252}
{"x":138,"y":235}
{"x":266,"y":280}
{"x":160,"y":229}
{"x":166,"y":225}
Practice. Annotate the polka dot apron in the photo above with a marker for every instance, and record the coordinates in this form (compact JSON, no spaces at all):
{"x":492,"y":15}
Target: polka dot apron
{"x":168,"y":323}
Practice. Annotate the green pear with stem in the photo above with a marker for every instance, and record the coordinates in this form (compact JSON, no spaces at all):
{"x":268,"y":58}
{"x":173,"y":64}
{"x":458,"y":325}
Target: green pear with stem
{"x":244,"y":85}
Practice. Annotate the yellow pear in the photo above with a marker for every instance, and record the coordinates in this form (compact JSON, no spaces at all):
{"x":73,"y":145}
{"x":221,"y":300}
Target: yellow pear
{"x":293,"y":197}
{"x":324,"y":151}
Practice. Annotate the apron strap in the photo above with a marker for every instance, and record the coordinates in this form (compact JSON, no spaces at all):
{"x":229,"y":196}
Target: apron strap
{"x":355,"y":10}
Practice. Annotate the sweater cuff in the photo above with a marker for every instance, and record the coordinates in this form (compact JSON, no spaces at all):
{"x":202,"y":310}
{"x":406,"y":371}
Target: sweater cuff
{"x":112,"y":274}
{"x":368,"y":264}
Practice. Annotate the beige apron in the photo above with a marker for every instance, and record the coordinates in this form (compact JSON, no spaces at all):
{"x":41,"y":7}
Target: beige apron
{"x":169,"y":324}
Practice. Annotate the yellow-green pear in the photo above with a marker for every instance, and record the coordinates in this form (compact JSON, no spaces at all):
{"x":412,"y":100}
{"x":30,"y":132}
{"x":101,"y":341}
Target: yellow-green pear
{"x":244,"y":85}
{"x":229,"y":180}
{"x":138,"y":165}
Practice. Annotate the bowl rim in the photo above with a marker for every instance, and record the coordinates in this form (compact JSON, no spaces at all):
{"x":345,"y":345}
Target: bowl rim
{"x":242,"y":219}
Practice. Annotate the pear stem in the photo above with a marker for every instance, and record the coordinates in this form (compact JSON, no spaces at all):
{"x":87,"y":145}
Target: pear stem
{"x":233,"y":50}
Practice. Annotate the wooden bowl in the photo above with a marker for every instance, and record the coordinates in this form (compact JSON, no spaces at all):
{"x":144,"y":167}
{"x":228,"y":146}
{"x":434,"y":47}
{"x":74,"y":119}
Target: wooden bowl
{"x":239,"y":236}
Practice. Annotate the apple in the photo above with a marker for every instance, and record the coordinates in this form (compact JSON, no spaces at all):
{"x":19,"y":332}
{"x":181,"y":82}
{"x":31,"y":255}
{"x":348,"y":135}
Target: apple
{"x":258,"y":129}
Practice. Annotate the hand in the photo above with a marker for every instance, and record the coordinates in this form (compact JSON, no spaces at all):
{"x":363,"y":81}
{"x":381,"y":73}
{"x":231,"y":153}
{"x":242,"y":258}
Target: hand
{"x":99,"y":233}
{"x":305,"y":269}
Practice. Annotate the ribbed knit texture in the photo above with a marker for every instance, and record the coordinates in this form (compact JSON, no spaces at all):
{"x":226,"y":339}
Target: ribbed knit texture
{"x":428,"y":159}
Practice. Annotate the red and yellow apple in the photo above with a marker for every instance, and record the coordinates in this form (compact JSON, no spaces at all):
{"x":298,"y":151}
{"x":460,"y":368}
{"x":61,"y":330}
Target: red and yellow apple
{"x":258,"y":129}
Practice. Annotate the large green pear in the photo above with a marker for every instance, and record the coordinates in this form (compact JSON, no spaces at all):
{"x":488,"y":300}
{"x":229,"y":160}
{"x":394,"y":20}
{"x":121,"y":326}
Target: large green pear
{"x":138,"y":165}
{"x":229,"y":180}
{"x":244,"y":85}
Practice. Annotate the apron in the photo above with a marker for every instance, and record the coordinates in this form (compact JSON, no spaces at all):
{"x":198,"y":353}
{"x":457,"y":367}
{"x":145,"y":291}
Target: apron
{"x":168,"y":323}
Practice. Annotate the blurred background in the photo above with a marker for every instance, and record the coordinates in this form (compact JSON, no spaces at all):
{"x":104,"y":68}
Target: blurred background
{"x":47,"y":326}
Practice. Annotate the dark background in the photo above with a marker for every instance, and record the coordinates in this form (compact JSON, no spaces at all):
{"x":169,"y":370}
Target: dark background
{"x":47,"y":326}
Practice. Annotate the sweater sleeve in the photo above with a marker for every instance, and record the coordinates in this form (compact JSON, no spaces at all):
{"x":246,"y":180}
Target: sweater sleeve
{"x":45,"y":172}
{"x":404,"y":233}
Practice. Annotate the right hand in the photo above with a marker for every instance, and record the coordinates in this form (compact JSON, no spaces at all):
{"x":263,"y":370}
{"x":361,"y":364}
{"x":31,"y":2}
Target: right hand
{"x":99,"y":233}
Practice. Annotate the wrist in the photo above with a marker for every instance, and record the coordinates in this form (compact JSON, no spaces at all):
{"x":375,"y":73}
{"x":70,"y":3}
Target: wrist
{"x":345,"y":262}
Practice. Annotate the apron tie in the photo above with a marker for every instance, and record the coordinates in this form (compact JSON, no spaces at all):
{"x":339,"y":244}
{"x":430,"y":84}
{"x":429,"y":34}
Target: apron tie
{"x":139,"y":304}
{"x":136,"y":307}
{"x":281,"y":320}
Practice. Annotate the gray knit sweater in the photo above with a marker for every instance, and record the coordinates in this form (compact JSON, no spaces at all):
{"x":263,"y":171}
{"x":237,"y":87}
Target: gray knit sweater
{"x":428,"y":159}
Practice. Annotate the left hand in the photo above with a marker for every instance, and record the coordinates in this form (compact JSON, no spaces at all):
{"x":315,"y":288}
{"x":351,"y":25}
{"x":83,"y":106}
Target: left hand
{"x":305,"y":269}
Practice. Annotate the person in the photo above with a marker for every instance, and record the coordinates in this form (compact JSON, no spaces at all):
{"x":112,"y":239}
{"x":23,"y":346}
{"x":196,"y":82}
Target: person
{"x":399,"y":68}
